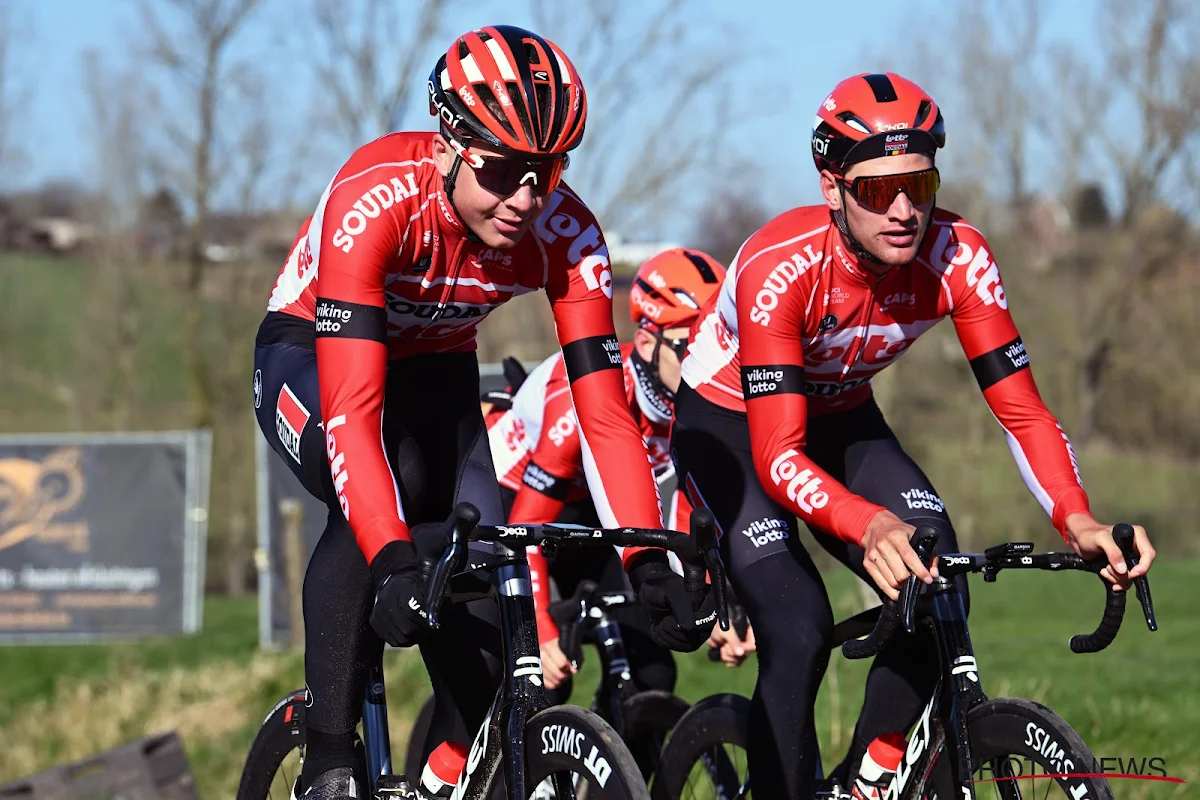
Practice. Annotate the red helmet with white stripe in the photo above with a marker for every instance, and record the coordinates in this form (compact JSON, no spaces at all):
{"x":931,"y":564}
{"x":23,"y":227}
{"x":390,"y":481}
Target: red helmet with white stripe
{"x":511,"y":89}
{"x":670,"y":289}
{"x":872,"y":115}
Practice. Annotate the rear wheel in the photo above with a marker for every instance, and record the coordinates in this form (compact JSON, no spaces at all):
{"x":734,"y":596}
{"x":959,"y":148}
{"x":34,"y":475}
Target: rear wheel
{"x":705,"y":758}
{"x":649,"y":718}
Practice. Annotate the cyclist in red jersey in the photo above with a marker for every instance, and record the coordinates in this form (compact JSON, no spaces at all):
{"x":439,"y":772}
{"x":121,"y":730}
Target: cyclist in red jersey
{"x":539,"y":459}
{"x":775,"y":419}
{"x":367,"y":385}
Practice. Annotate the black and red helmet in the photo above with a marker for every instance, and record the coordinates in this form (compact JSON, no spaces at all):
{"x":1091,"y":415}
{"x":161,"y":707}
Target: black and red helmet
{"x":873,"y":115}
{"x":511,"y":89}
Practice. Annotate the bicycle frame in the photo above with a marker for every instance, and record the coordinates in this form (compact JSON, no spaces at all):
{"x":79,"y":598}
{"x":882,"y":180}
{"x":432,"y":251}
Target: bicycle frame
{"x":958,"y":691}
{"x":520,"y":696}
{"x":616,"y":678}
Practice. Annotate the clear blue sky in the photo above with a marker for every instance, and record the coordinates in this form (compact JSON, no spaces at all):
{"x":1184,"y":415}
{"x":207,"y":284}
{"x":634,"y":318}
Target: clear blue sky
{"x":799,"y":51}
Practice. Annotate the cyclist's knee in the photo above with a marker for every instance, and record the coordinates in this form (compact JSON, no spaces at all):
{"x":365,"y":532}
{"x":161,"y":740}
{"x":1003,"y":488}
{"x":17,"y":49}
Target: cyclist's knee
{"x":789,"y":610}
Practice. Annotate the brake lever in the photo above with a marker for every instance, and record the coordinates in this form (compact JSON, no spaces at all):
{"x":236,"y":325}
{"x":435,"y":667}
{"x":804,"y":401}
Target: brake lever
{"x":704,"y":528}
{"x":1123,"y":536}
{"x":923,"y":541}
{"x":453,"y":559}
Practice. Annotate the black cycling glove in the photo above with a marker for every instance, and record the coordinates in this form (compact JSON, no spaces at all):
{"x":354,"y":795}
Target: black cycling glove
{"x":398,"y":615}
{"x":675,"y":622}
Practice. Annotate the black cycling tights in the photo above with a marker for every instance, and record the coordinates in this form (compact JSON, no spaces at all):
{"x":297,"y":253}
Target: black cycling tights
{"x":436,"y":442}
{"x":782,"y":590}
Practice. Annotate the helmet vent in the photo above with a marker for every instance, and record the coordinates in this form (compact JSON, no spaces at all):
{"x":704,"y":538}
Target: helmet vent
{"x":881,"y":85}
{"x":922,"y":113}
{"x":702,"y":266}
{"x":854,"y":121}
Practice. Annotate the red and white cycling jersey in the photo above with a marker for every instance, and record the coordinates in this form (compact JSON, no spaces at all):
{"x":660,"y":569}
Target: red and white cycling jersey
{"x":799,"y":329}
{"x":538,"y":454}
{"x":384,"y":271}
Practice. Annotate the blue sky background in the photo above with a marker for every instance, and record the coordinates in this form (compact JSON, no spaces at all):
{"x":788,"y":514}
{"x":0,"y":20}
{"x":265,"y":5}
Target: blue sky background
{"x":793,"y":54}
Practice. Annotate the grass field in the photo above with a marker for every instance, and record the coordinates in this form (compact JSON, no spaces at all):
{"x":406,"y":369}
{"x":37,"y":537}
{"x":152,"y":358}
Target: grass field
{"x":1139,"y":699}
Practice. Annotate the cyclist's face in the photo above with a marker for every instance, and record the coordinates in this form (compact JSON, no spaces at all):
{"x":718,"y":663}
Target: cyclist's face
{"x":668,"y":360}
{"x":892,"y":236}
{"x":498,"y":221}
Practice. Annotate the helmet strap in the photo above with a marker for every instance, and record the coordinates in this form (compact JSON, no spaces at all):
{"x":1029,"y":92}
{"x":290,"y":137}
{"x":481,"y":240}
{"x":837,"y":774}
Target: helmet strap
{"x":448,"y":183}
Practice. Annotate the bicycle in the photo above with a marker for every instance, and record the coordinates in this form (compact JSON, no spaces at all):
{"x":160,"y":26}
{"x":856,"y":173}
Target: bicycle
{"x":641,"y":718}
{"x":961,"y":732}
{"x":535,"y":742}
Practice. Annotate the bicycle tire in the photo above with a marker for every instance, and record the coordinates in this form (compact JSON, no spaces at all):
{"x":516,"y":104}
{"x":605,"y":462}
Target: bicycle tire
{"x":413,"y":762}
{"x":573,"y":739}
{"x":721,"y":719}
{"x":649,"y":718}
{"x":281,"y":732}
{"x":1015,"y":727}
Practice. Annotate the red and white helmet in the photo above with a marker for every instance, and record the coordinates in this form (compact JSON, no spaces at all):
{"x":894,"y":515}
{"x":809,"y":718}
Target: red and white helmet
{"x":873,"y":115}
{"x":670,"y":289}
{"x":511,"y":89}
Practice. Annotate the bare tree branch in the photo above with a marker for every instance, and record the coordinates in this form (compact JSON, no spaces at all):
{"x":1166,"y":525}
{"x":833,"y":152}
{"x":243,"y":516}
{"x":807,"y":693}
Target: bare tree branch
{"x":252,"y":145}
{"x":999,"y":91}
{"x":1080,"y":102}
{"x":117,"y":120}
{"x":190,"y":58}
{"x":1151,"y":56}
{"x":369,"y":86}
{"x":14,"y":91}
{"x":678,"y":119}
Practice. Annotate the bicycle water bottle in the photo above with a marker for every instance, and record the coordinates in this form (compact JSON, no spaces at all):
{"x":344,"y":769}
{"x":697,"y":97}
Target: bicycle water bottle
{"x":878,"y":766}
{"x":442,"y":772}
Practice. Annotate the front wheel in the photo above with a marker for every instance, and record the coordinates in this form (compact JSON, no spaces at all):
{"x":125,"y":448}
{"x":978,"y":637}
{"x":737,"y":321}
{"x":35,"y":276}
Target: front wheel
{"x":1023,"y":749}
{"x":572,"y":752}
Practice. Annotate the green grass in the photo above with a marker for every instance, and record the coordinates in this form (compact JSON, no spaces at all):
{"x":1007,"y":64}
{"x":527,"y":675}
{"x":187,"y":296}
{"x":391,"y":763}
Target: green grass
{"x":230,"y":636}
{"x":1140,"y":698}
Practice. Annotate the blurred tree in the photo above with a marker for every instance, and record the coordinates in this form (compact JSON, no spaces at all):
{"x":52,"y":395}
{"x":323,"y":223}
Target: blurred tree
{"x":1129,"y":120}
{"x":1149,"y":63}
{"x":189,"y":45}
{"x":662,"y":108}
{"x":1089,"y":208}
{"x":188,"y":62}
{"x":370,"y":57}
{"x":989,"y":108}
{"x":14,"y":92}
{"x":728,"y":219}
{"x":117,"y":115}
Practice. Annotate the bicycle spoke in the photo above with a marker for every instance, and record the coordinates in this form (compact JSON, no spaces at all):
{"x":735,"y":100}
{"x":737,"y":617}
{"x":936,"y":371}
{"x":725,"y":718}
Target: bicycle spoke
{"x":717,"y":775}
